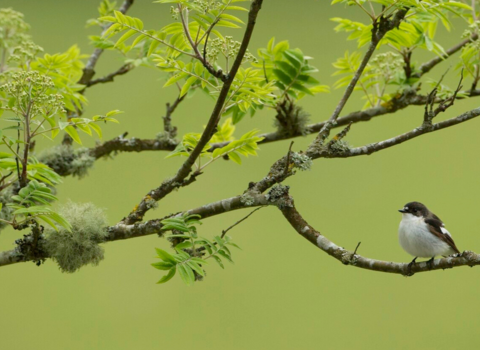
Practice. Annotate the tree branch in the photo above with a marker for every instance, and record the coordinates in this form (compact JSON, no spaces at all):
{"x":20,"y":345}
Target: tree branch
{"x":427,"y":66}
{"x":378,"y":146}
{"x":347,"y":257}
{"x":121,"y":231}
{"x":121,"y":144}
{"x":109,"y":77}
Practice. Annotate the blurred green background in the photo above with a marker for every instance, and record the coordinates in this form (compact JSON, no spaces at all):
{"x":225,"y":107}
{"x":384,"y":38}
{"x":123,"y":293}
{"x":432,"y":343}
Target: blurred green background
{"x":281,"y":293}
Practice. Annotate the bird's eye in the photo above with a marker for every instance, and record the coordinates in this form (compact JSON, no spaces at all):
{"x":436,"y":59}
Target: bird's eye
{"x":414,"y":210}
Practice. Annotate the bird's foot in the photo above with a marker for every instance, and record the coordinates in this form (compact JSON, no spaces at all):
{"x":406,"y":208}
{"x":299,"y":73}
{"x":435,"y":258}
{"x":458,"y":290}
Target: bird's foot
{"x":409,"y":267}
{"x":430,"y":263}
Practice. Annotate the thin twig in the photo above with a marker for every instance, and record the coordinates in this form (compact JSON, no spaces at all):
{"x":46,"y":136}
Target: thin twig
{"x":427,"y":66}
{"x":109,"y":77}
{"x":444,"y":106}
{"x":170,"y":130}
{"x":355,"y":251}
{"x":224,"y":232}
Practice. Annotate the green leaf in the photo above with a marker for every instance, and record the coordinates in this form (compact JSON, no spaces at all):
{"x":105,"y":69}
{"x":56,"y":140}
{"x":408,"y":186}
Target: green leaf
{"x":186,"y":274}
{"x":284,"y":78}
{"x":195,"y":267}
{"x":199,"y":261}
{"x":73,"y":134}
{"x":225,"y":255}
{"x":168,"y":276}
{"x":187,"y":85}
{"x":162,"y":265}
{"x":114,"y":112}
{"x":300,"y":87}
{"x":183,"y":245}
{"x":175,"y":78}
{"x":167,"y":257}
{"x":218,"y":260}
{"x":125,"y":36}
{"x":294,"y":57}
{"x":97,"y":129}
{"x":235,"y":157}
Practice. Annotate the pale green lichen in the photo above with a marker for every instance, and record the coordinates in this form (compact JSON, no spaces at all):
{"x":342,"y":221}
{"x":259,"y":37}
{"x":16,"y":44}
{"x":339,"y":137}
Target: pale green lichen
{"x":167,"y":138}
{"x":72,"y":250}
{"x":66,"y":160}
{"x":340,"y":146}
{"x":278,"y":195}
{"x":247,"y":199}
{"x":301,"y":161}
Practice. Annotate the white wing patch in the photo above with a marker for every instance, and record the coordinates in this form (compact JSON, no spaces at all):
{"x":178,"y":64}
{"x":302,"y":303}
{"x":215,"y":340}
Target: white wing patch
{"x":445,"y":231}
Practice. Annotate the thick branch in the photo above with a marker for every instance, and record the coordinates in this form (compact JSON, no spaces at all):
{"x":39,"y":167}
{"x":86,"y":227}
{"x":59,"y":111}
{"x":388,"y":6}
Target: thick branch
{"x":122,"y":231}
{"x":347,"y":257}
{"x":378,"y":146}
{"x":121,"y":144}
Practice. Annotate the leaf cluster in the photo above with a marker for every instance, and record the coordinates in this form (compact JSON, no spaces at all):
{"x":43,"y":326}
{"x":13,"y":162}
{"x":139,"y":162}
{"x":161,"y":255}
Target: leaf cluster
{"x":290,"y":69}
{"x":35,"y":170}
{"x":192,"y":253}
{"x":33,"y":202}
{"x":245,"y":145}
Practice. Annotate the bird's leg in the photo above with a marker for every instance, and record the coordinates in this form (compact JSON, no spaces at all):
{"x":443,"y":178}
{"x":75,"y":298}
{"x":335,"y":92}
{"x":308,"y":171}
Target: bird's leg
{"x":409,"y":267}
{"x":430,"y":263}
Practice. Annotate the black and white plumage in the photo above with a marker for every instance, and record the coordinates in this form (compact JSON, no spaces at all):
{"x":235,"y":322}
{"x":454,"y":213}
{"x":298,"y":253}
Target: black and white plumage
{"x":423,"y":234}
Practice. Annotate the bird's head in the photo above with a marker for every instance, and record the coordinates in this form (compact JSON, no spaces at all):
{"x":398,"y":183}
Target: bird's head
{"x":415,"y":209}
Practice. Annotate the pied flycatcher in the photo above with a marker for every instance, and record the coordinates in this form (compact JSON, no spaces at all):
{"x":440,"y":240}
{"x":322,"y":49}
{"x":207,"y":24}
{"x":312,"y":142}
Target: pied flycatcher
{"x":422,"y":233}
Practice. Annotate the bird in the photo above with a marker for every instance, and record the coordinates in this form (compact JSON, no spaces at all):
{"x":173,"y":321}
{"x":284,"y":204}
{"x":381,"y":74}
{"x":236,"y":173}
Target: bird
{"x":423,"y":235}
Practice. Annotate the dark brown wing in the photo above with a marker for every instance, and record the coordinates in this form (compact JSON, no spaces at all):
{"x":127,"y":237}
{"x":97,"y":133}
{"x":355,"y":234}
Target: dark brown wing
{"x":435,"y":227}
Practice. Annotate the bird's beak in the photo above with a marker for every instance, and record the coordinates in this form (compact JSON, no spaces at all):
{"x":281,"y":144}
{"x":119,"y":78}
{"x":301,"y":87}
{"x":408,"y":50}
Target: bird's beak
{"x":402,"y":210}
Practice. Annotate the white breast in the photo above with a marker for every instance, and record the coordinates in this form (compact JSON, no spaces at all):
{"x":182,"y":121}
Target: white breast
{"x":416,"y":239}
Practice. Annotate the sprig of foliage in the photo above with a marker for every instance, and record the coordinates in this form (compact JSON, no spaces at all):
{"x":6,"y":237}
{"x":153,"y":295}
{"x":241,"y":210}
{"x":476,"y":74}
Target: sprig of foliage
{"x":190,"y":258}
{"x":245,"y":146}
{"x":65,"y":70}
{"x":105,"y":8}
{"x":33,"y":202}
{"x":290,"y":69}
{"x":469,"y":61}
{"x":35,"y":106}
{"x":35,"y":169}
